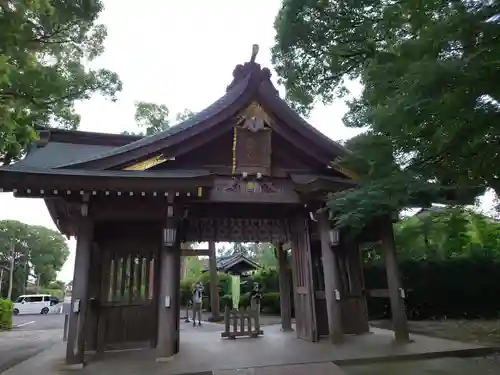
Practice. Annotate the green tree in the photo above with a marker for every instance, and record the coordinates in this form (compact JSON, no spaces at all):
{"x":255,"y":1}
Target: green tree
{"x":195,"y":266}
{"x":154,"y":118}
{"x":14,"y":251}
{"x":43,"y":48}
{"x":446,"y":233}
{"x":265,"y":254}
{"x":184,"y":115}
{"x":428,"y":68}
{"x":385,"y":188}
{"x":57,"y":284}
{"x":151,"y":117}
{"x":49,"y":252}
{"x":38,"y":252}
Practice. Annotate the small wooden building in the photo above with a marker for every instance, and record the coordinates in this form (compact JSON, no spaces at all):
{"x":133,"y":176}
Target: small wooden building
{"x":236,"y":264}
{"x":245,"y":169}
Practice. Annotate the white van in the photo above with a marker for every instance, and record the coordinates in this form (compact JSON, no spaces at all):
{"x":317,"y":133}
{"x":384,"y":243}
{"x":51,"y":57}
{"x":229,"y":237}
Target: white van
{"x":34,"y":304}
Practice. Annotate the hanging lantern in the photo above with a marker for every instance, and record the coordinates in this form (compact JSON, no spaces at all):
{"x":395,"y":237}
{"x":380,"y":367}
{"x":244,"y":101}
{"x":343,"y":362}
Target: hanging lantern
{"x":333,"y":235}
{"x":169,"y":236}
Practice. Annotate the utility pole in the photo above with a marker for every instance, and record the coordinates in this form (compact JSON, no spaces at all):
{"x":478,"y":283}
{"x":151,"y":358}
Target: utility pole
{"x":26,"y":272}
{"x":11,"y":269}
{"x":1,"y":280}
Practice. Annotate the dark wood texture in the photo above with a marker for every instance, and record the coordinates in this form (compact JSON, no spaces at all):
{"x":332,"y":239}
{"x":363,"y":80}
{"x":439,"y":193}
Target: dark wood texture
{"x":242,"y":323}
{"x":77,"y":317}
{"x":253,"y":191}
{"x":305,"y":314}
{"x":284,"y":285}
{"x":237,"y":230}
{"x":332,"y":282}
{"x":128,"y":298}
{"x":253,"y":151}
{"x":214,"y":282}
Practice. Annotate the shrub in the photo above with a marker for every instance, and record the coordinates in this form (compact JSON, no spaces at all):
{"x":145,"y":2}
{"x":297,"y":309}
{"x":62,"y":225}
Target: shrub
{"x":188,"y":283}
{"x":6,"y":307}
{"x":267,"y":278}
{"x":461,"y":288}
{"x":186,"y":290}
{"x":270,"y":303}
{"x":226,"y":300}
{"x":244,"y":300}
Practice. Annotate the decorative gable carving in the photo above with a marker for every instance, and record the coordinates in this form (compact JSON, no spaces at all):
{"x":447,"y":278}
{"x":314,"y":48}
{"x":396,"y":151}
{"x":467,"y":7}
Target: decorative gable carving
{"x":252,"y":142}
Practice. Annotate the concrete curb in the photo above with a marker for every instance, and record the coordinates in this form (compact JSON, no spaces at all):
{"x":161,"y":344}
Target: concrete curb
{"x":457,"y":353}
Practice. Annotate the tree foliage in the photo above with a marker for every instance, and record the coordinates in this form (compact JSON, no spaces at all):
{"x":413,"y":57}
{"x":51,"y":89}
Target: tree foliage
{"x":43,"y":48}
{"x":39,"y":253}
{"x":385,"y":188}
{"x":186,"y":114}
{"x":428,"y":68}
{"x":151,"y":117}
{"x":154,"y":118}
{"x":444,"y":233}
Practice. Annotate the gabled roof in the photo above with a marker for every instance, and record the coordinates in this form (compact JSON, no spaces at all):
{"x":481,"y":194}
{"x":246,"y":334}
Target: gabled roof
{"x":225,"y":264}
{"x":66,"y":153}
{"x":250,"y":83}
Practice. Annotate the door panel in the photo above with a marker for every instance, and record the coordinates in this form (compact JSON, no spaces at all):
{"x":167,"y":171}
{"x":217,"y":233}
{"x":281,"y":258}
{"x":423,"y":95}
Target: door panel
{"x":305,"y":314}
{"x":128,"y":303}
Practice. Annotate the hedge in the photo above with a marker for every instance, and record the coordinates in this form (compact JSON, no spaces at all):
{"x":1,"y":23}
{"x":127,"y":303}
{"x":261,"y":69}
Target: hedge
{"x":267,"y":278}
{"x":461,"y":288}
{"x":6,"y":307}
{"x":453,"y":289}
{"x":188,"y":283}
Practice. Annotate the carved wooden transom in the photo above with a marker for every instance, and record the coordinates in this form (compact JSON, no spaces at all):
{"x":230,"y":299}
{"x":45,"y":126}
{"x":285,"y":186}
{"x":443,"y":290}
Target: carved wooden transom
{"x":237,"y":230}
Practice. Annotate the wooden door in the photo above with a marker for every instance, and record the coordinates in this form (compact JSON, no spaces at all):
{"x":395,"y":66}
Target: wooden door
{"x":305,"y":314}
{"x":128,"y":303}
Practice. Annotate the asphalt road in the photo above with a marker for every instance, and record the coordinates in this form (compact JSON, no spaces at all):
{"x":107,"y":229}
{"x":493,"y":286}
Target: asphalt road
{"x":30,"y":335}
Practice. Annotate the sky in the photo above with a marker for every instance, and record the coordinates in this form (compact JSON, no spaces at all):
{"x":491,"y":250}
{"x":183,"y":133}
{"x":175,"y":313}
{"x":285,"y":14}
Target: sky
{"x":178,"y":53}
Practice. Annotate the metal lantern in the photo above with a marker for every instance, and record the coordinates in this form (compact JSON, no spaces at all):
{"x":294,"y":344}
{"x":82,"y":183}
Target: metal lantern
{"x":333,"y":235}
{"x":169,"y":236}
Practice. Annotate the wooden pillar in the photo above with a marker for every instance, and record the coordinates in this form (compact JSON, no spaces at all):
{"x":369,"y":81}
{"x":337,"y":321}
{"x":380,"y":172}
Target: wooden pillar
{"x":75,"y":347}
{"x":169,"y":290}
{"x":399,"y":321}
{"x":95,"y":281}
{"x":284,"y":283}
{"x":332,"y":282}
{"x":354,"y":310}
{"x":305,"y":309}
{"x":214,"y":283}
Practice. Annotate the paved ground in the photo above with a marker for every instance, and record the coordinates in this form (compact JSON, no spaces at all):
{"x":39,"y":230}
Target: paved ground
{"x":30,"y":335}
{"x":202,"y":349}
{"x":489,"y":365}
{"x":276,"y":353}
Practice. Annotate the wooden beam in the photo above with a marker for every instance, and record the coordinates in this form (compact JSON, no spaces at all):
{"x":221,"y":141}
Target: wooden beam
{"x":195,"y":252}
{"x":377,"y":293}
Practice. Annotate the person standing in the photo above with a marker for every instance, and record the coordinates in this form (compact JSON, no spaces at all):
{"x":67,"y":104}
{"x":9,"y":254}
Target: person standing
{"x":197,"y":302}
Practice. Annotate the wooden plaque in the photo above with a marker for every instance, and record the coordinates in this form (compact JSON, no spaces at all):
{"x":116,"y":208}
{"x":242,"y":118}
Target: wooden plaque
{"x":253,"y":151}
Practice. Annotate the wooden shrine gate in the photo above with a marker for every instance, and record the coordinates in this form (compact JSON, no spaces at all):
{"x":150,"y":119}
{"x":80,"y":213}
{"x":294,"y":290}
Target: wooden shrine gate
{"x":302,"y":281}
{"x":126,"y":309}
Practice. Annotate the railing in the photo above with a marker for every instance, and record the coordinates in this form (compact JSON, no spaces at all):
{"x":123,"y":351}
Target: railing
{"x":241,"y":323}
